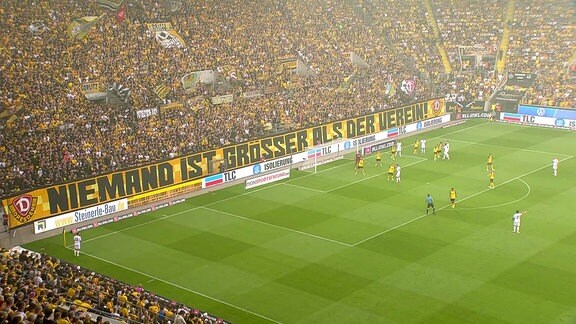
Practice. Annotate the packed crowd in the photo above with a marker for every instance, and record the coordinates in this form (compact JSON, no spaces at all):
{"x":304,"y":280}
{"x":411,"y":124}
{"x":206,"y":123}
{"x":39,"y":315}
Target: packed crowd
{"x":470,"y":23}
{"x":39,"y":289}
{"x":410,"y":32}
{"x":468,"y":28}
{"x":52,"y":134}
{"x":542,"y":41}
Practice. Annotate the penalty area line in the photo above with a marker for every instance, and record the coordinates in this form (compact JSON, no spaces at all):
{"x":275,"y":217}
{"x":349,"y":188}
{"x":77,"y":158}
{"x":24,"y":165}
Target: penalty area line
{"x":302,"y":187}
{"x":278,"y":227}
{"x":506,"y":147}
{"x":373,"y":176}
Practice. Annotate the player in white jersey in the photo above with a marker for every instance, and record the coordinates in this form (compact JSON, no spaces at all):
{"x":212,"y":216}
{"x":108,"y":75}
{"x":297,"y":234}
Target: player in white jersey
{"x":397,"y":173}
{"x":516,"y":221}
{"x":423,"y":146}
{"x":399,"y":149}
{"x":77,"y":243}
{"x":555,"y":166}
{"x":445,"y":150}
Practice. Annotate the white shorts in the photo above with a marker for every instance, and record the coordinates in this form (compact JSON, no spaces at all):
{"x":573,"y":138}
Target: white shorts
{"x":76,"y":246}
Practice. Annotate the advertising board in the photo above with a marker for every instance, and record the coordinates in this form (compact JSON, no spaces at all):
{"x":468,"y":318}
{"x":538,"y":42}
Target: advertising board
{"x":266,"y":179}
{"x":80,"y":216}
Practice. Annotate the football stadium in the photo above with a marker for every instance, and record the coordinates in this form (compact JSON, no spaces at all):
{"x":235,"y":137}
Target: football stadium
{"x":292,"y":161}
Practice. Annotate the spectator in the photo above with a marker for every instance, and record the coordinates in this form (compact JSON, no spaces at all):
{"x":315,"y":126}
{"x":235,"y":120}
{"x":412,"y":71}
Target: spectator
{"x":53,"y":134}
{"x":79,"y":293}
{"x":540,"y":33}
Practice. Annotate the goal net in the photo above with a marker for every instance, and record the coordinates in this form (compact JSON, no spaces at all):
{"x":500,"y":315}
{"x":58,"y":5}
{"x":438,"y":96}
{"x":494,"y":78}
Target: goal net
{"x":348,"y":149}
{"x":324,"y":153}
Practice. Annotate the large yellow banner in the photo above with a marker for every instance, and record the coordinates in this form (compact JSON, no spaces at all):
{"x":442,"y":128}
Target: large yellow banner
{"x":51,"y":201}
{"x":166,"y":35}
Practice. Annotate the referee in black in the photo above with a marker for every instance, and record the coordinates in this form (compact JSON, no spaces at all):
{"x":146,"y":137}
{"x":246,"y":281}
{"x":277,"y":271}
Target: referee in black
{"x":430,"y":204}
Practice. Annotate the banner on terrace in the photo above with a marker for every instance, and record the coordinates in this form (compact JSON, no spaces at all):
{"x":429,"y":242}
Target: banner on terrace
{"x":94,"y":90}
{"x":218,"y":100}
{"x":37,"y":27}
{"x":166,"y":35}
{"x":145,"y":113}
{"x":80,"y":27}
{"x":408,"y":86}
{"x":172,"y":106}
{"x":471,"y":105}
{"x":355,"y":59}
{"x":113,"y":5}
{"x":286,"y":65}
{"x":76,"y":195}
{"x":191,"y":80}
{"x":161,"y":90}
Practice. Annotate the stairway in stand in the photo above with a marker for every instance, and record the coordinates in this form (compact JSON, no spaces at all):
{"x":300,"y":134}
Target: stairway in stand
{"x":509,"y":15}
{"x":439,"y":44}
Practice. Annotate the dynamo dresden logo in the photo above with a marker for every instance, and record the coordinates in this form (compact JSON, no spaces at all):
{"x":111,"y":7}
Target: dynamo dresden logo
{"x":23,"y":208}
{"x":437,"y":108}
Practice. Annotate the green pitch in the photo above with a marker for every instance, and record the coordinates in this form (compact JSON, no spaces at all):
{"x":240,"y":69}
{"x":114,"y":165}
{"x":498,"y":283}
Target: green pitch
{"x":334,"y":247}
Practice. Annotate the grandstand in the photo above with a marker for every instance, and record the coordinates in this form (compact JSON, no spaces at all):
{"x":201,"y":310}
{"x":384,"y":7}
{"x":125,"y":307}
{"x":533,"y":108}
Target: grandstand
{"x":93,"y":87}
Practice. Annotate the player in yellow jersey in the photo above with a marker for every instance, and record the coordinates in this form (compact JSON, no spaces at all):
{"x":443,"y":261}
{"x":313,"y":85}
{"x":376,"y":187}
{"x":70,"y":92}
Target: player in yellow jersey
{"x":416,"y":146}
{"x":437,"y":150}
{"x":360,"y":167}
{"x":453,"y":197}
{"x":393,"y":152}
{"x":489,"y":163}
{"x":378,"y":158}
{"x":391,"y":169}
{"x":491,"y":177}
{"x":492,"y":114}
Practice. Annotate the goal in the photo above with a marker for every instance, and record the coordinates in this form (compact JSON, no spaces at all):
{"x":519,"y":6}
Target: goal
{"x":325,"y":153}
{"x":341,"y":149}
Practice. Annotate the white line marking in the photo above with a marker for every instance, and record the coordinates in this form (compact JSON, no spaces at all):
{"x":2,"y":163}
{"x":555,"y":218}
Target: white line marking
{"x":370,"y":177}
{"x":247,"y":193}
{"x":125,"y":229}
{"x":302,"y":187}
{"x":502,"y":204}
{"x":506,"y":124}
{"x":180,"y":287}
{"x":507,"y":147}
{"x":278,"y":226}
{"x":443,"y":207}
{"x":412,"y":157}
{"x":226,"y":199}
{"x":209,"y":204}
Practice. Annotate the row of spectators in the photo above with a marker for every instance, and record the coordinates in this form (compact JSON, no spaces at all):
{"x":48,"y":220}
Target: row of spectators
{"x":52,"y":134}
{"x":39,"y":289}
